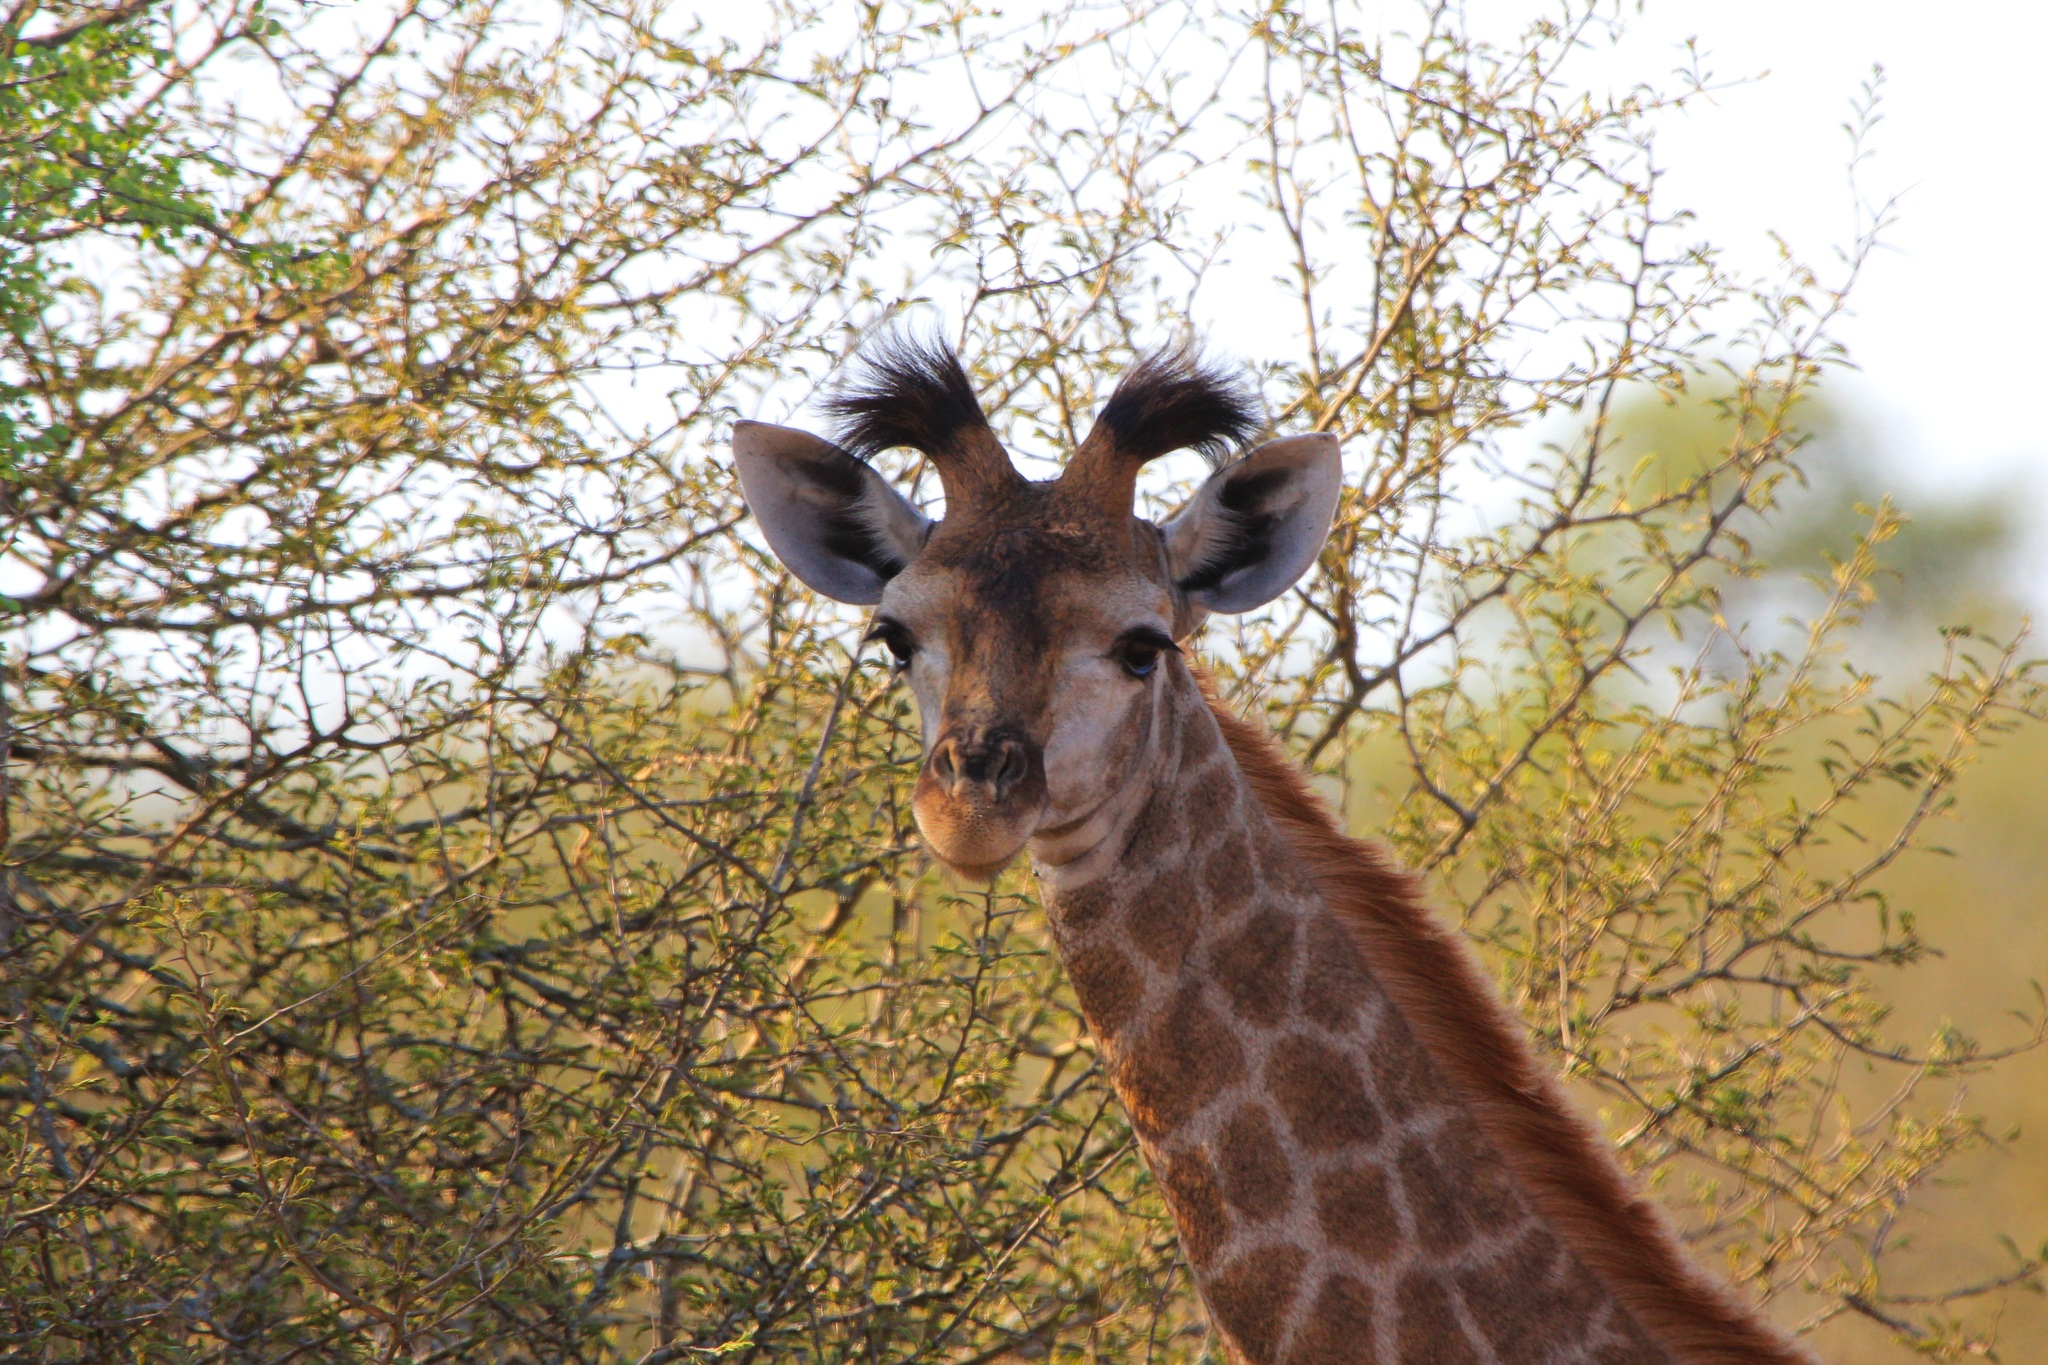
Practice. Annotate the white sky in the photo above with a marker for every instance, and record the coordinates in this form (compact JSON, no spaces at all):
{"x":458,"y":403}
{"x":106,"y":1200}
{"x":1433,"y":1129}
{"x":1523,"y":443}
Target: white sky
{"x":1949,"y":321}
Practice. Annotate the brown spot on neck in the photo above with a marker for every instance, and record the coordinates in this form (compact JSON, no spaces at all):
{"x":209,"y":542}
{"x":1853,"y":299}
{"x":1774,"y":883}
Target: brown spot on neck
{"x":1553,"y":1157}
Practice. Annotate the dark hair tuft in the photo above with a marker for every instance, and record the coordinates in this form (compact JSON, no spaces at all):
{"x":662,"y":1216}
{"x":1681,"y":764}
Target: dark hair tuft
{"x":1174,"y":399}
{"x":905,"y":390}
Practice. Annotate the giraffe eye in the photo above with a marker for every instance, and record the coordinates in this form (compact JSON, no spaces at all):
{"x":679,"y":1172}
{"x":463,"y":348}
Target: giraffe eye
{"x":895,"y":639}
{"x":1140,"y":649}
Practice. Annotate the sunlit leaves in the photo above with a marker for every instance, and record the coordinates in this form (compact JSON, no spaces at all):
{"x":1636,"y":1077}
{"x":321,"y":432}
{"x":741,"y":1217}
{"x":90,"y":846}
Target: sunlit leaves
{"x":462,"y":902}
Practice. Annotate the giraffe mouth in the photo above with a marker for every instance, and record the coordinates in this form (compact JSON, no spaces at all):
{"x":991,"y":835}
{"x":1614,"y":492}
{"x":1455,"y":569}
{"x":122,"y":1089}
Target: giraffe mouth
{"x":974,"y":859}
{"x":977,"y":803}
{"x":975,"y":840}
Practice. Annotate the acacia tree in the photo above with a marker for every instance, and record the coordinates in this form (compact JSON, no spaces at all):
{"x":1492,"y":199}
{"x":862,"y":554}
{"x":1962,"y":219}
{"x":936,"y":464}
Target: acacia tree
{"x":460,"y":899}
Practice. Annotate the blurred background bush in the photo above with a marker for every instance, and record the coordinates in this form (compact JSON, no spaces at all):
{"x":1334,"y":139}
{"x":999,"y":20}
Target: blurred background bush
{"x":459,"y":896}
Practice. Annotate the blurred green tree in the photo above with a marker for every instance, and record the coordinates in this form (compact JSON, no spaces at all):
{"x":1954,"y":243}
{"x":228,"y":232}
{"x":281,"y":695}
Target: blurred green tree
{"x":1951,"y":555}
{"x":459,"y":901}
{"x":78,"y":154}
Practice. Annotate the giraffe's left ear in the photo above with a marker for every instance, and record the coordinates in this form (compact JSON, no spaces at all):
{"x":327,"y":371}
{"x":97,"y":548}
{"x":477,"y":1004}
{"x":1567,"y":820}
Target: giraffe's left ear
{"x":1256,"y":526}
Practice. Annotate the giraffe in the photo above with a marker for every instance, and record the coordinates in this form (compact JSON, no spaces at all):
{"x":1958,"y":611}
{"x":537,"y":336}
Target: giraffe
{"x":1363,"y":1157}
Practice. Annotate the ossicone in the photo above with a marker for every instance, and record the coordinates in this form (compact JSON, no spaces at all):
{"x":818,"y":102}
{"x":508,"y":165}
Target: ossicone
{"x":907,"y":390}
{"x":1172,"y":399}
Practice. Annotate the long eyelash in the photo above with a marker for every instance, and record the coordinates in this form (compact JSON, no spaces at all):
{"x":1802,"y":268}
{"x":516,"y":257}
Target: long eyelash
{"x":1151,"y":638}
{"x":896,"y":638}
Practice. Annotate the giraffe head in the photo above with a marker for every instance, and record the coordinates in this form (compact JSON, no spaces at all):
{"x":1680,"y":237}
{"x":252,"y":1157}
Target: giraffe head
{"x":1039,"y":623}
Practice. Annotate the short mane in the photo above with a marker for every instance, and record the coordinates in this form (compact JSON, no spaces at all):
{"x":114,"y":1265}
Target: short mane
{"x":1571,"y":1176}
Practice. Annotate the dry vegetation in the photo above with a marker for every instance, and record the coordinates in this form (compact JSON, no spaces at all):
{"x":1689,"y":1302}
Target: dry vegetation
{"x":460,"y":900}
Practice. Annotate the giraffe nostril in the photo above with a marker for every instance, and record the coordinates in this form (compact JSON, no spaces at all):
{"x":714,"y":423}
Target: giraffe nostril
{"x":1011,"y":767}
{"x":987,"y":767}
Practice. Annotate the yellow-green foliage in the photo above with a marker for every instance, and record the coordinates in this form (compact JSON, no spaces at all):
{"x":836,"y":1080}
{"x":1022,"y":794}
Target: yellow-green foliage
{"x":460,"y":902}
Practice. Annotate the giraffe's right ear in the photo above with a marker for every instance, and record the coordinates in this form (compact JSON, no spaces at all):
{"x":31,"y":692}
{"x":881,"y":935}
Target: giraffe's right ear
{"x":833,"y":521}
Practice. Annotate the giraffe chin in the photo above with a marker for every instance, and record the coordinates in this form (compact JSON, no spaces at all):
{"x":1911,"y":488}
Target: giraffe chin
{"x":974,"y":842}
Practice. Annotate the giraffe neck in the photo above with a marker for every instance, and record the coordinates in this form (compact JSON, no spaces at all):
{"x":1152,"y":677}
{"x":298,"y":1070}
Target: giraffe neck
{"x":1337,"y":1198}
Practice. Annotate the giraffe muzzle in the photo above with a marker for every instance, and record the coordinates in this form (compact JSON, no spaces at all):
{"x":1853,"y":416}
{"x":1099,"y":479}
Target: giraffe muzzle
{"x":979,"y":798}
